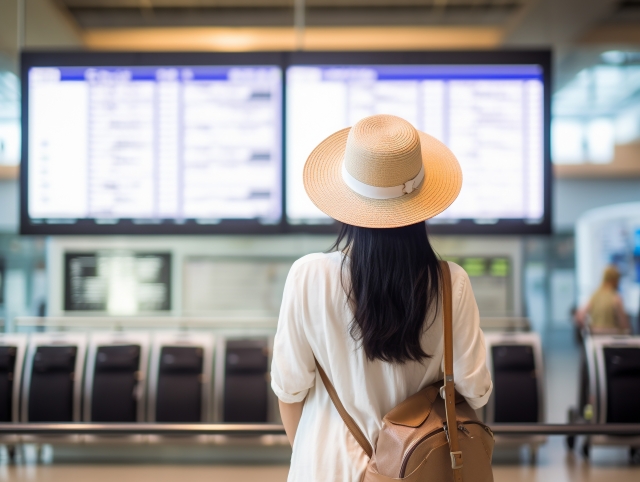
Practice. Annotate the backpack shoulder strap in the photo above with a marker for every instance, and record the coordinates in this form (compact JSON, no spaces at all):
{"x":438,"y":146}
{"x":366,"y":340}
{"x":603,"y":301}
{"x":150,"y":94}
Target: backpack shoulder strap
{"x":449,"y":387}
{"x":349,"y":422}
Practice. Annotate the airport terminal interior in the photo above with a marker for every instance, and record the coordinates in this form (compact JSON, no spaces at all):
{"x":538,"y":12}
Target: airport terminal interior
{"x":152,"y":204}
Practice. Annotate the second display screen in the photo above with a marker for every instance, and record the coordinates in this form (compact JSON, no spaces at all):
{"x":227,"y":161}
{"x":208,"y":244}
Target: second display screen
{"x":490,"y":116}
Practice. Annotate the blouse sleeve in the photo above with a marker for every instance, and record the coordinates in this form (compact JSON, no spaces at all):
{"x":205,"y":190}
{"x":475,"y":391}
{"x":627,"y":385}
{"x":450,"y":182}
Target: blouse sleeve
{"x":293,"y":365}
{"x":472,"y":377}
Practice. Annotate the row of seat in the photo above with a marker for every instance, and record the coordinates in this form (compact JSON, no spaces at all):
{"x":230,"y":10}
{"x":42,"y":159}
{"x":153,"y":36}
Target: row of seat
{"x":169,"y":377}
{"x":186,"y":377}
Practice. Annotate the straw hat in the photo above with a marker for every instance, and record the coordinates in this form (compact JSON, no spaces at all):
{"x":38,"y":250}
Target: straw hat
{"x":382,"y":173}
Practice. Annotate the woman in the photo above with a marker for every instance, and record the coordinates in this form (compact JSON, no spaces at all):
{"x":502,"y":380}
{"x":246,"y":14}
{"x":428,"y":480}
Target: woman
{"x":605,"y":311}
{"x":369,"y":311}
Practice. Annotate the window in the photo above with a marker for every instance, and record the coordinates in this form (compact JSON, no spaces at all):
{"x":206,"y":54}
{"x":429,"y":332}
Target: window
{"x":9,"y":118}
{"x":597,"y":110}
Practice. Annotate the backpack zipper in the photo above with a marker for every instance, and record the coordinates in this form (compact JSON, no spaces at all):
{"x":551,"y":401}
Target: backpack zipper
{"x":405,"y":461}
{"x":461,"y":427}
{"x":475,"y":422}
{"x":464,"y":430}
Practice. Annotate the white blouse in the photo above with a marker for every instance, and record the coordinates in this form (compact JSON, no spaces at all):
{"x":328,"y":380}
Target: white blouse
{"x":314,"y":320}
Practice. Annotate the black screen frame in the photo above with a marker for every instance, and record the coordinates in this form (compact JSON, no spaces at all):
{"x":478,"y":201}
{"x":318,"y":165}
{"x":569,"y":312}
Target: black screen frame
{"x":31,"y":59}
{"x":542,"y":58}
{"x":283,"y":60}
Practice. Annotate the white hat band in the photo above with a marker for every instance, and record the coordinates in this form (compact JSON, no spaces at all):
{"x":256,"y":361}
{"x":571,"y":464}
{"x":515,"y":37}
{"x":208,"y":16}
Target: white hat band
{"x":375,"y":192}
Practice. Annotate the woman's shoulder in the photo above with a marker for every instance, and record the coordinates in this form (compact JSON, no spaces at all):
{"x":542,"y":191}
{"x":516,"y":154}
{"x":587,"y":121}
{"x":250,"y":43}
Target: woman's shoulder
{"x":317,"y":261}
{"x":459,"y":278}
{"x":457,"y":272}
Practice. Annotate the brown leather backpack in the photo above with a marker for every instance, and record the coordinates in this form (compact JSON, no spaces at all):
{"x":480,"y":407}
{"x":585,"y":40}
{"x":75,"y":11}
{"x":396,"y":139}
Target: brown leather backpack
{"x":415,"y":443}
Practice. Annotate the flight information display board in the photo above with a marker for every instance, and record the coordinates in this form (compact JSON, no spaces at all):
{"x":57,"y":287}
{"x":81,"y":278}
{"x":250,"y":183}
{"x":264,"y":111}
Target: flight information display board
{"x":190,"y":143}
{"x":491,"y":116}
{"x":149,"y":145}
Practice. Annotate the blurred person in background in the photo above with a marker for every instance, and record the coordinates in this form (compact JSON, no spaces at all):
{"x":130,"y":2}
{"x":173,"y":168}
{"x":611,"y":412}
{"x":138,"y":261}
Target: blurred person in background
{"x":604,"y":313}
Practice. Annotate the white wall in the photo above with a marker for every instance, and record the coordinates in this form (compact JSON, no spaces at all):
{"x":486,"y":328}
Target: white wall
{"x":599,"y":234}
{"x":573,"y":197}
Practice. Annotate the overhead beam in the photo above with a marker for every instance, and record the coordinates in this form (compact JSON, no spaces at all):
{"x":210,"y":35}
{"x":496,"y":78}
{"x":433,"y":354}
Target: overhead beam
{"x":553,"y":22}
{"x":271,"y":16}
{"x":284,"y":38}
{"x":614,"y":34}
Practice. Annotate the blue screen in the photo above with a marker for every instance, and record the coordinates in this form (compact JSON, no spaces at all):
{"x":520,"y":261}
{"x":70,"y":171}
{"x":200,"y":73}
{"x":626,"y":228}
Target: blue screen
{"x":155,"y":144}
{"x":490,"y":116}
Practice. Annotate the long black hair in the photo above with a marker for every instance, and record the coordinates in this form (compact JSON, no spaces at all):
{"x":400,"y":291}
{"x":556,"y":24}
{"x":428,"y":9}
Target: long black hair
{"x":393,"y":282}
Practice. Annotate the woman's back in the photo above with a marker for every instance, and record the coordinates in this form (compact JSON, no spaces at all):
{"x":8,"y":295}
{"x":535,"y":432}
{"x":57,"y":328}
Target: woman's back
{"x":603,"y":309}
{"x":315,"y":321}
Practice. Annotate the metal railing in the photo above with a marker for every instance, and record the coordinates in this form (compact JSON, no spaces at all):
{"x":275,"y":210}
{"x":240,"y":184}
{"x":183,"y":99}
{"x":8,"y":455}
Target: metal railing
{"x":504,"y":323}
{"x":88,"y":323}
{"x":276,"y":429}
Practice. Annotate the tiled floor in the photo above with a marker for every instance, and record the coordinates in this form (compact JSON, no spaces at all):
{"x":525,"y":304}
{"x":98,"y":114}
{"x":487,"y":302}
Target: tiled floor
{"x":564,"y":471}
{"x":144,"y":473}
{"x":554,"y":463}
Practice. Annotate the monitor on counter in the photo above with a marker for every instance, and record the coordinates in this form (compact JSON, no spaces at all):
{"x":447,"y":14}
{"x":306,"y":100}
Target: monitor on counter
{"x":490,"y":108}
{"x":117,"y":282}
{"x":150,"y":143}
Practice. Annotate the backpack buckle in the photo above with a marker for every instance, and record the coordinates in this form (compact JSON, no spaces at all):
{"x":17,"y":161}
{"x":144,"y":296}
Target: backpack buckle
{"x":456,"y":460}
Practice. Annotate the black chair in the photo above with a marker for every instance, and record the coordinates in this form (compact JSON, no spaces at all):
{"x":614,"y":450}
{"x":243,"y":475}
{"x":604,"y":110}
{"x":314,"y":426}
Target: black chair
{"x":116,"y":376}
{"x":515,"y":384}
{"x":179,"y":386}
{"x":7,"y":377}
{"x":245,"y":383}
{"x":51,"y":387}
{"x":622,"y":368}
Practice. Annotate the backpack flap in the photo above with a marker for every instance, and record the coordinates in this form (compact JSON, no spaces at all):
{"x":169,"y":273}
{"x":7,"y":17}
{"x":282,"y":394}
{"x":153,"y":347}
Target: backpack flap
{"x":414,"y":410}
